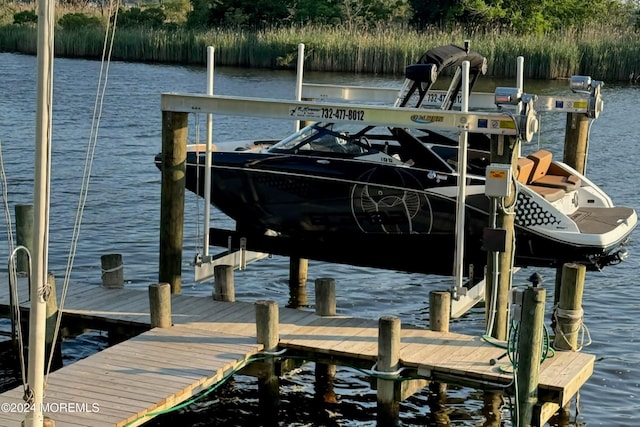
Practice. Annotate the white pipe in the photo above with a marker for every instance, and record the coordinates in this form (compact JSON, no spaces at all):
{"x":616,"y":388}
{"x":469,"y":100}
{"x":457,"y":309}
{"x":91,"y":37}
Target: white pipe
{"x":520,"y":73}
{"x":299,"y":74}
{"x":520,"y":87}
{"x":208,"y":156}
{"x":462,"y":183}
{"x":41,"y":199}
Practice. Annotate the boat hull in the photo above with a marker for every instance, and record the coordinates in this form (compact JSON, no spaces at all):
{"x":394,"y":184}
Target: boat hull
{"x":379,"y":216}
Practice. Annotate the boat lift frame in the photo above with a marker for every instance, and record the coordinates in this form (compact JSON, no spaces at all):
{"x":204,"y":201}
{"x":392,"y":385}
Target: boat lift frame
{"x":591,"y":105}
{"x":307,"y":108}
{"x":522,"y":126}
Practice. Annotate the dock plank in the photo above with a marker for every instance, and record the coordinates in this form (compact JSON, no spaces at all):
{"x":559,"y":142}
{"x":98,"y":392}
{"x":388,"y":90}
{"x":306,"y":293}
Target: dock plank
{"x":160,"y":368}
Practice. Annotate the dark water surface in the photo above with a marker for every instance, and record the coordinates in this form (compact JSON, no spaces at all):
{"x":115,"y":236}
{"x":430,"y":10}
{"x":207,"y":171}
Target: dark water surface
{"x":122,"y":216}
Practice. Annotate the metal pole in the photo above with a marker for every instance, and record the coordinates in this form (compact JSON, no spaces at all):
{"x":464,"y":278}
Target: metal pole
{"x":208,"y":155}
{"x":462,"y":180}
{"x":520,"y":87}
{"x":299,"y":74}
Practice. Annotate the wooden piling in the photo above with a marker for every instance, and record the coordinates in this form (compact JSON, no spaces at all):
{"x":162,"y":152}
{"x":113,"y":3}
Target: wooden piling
{"x":268,"y":382}
{"x":223,"y":287}
{"x":174,"y":158}
{"x":388,"y":360}
{"x":439,"y":310}
{"x":24,"y":235}
{"x":325,"y":376}
{"x":325,"y":289}
{"x":556,"y":295}
{"x":160,"y":305}
{"x":504,"y":150}
{"x":437,"y":402}
{"x":267,"y":324}
{"x":52,"y":343}
{"x":529,"y":352}
{"x":576,"y":141}
{"x":492,"y":409}
{"x":568,"y":313}
{"x":298,"y":268}
{"x":112,"y":271}
{"x":439,"y":316}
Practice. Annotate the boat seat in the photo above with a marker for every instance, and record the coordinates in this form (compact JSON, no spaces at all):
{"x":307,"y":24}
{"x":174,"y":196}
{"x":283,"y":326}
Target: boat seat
{"x":541,"y":162}
{"x":525,"y":166}
{"x":546,"y":174}
{"x":566,"y":183}
{"x":548,"y":193}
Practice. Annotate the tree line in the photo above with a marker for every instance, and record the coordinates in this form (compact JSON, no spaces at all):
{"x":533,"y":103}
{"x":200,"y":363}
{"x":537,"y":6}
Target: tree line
{"x":522,"y":16}
{"x":517,"y":16}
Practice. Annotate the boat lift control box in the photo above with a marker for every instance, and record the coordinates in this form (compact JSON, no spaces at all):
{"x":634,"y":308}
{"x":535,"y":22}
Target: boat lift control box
{"x":498,"y":182}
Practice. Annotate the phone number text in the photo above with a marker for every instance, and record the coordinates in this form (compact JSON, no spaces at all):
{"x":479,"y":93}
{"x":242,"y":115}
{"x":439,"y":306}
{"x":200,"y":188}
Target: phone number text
{"x":342,"y":114}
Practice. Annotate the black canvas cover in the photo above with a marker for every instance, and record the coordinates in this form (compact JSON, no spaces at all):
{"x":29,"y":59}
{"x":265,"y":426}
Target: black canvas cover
{"x":453,"y":56}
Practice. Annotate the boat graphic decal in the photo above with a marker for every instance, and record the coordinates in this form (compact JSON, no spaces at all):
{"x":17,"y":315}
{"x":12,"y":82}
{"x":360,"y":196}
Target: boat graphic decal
{"x":392,"y":207}
{"x":530,"y":213}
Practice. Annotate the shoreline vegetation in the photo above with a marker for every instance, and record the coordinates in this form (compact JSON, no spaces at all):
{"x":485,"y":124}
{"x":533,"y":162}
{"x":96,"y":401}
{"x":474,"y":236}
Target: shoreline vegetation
{"x":610,"y":55}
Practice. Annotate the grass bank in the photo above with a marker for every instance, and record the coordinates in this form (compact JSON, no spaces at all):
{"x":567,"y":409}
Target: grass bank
{"x":609,"y":55}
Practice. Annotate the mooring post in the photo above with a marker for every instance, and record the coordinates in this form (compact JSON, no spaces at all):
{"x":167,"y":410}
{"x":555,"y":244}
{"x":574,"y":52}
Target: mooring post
{"x":112,"y":271}
{"x":325,"y":289}
{"x":388,"y":360}
{"x":504,"y":149}
{"x":439,"y":316}
{"x":298,"y":268}
{"x":267,"y":324}
{"x":223,"y":287}
{"x":174,"y":160}
{"x":439,"y":310}
{"x":160,"y":305}
{"x":529,"y":352}
{"x":576,"y":141}
{"x":24,"y":235}
{"x":568,"y":313}
{"x":267,"y":320}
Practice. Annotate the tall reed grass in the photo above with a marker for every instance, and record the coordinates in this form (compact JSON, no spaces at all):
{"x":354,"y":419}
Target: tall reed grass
{"x":604,"y":54}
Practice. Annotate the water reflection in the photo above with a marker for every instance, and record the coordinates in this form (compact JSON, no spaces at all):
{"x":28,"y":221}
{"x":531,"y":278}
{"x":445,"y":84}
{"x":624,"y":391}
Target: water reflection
{"x":122,"y":216}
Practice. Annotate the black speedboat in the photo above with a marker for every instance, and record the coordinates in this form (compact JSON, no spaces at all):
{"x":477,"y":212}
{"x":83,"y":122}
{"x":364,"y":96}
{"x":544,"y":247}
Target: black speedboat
{"x":386,"y":197}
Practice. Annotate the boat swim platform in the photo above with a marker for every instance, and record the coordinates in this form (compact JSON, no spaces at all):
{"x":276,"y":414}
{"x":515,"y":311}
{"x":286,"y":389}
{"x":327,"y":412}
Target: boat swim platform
{"x":128,"y":382}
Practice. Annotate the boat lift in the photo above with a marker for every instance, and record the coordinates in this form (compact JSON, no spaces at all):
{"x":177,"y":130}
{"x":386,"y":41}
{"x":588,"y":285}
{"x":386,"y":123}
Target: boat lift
{"x":523,"y":125}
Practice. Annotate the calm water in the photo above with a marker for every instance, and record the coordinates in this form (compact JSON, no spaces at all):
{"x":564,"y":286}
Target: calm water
{"x":122,"y":216}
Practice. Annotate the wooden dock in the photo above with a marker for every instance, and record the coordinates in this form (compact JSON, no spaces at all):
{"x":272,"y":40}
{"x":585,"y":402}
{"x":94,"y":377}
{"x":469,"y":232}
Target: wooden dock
{"x":128,"y":383}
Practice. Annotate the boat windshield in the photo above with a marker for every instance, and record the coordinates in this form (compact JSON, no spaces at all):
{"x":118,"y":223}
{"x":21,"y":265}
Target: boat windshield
{"x":324,"y":137}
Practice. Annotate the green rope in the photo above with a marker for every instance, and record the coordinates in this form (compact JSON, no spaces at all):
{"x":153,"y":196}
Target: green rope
{"x":210,"y":390}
